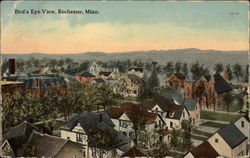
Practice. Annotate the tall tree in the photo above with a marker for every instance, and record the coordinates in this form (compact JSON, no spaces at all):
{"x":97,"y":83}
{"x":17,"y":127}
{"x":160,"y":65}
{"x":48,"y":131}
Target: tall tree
{"x":169,"y":68}
{"x":218,"y":68}
{"x":228,"y":98}
{"x":143,"y":90}
{"x":186,"y":135}
{"x":237,"y":70}
{"x":184,"y":69}
{"x":229,"y":71}
{"x":246,"y":73}
{"x":178,"y":66}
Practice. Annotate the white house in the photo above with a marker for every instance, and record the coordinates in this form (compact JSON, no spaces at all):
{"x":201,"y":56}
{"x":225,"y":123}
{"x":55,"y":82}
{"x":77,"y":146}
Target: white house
{"x":229,"y":142}
{"x":243,"y":125}
{"x":84,"y":127}
{"x":129,"y":114}
{"x":171,"y":113}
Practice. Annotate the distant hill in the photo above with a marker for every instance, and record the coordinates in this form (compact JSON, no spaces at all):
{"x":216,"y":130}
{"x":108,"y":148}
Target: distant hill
{"x":206,"y":57}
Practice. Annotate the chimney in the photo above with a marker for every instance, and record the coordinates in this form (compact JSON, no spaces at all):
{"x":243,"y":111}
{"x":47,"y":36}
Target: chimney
{"x":100,"y":118}
{"x":12,"y":66}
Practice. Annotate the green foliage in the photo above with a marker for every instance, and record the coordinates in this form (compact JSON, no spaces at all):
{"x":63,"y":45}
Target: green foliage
{"x":169,"y":68}
{"x":175,"y":141}
{"x":186,"y":143}
{"x":237,"y":71}
{"x":160,"y":150}
{"x":229,"y":71}
{"x":218,"y":68}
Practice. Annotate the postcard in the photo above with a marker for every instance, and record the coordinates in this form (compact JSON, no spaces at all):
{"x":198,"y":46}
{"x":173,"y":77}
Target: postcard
{"x":111,"y":79}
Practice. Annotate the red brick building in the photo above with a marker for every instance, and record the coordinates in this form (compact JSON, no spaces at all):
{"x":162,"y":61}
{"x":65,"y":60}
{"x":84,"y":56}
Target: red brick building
{"x":178,"y":79}
{"x":85,"y":77}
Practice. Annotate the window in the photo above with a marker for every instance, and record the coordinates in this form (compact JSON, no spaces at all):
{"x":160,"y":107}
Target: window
{"x":131,"y":134}
{"x":79,"y":137}
{"x":216,"y":140}
{"x":171,"y":124}
{"x":84,"y":153}
{"x":124,"y":124}
{"x":183,"y":114}
{"x":242,"y":124}
{"x":160,"y":138}
{"x":124,"y":133}
{"x":135,"y":92}
{"x":156,"y":125}
{"x":68,"y":137}
{"x":74,"y":156}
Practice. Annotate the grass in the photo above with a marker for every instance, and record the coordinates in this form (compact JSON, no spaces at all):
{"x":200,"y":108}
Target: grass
{"x":213,"y":124}
{"x":209,"y":115}
{"x":198,"y":138}
{"x":232,"y":108}
{"x":130,"y":98}
{"x":206,"y":134}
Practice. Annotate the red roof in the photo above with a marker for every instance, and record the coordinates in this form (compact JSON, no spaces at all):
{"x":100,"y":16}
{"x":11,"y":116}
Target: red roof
{"x":164,"y":132}
{"x":133,"y":111}
{"x":134,"y":152}
{"x":136,"y":69}
{"x":204,"y":150}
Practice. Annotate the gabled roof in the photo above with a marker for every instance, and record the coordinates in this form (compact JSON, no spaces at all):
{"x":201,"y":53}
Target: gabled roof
{"x":204,"y":150}
{"x":232,"y":135}
{"x":134,"y":152}
{"x":99,"y":80}
{"x":221,"y":86}
{"x":18,"y":135}
{"x":105,"y":73}
{"x":190,"y":104}
{"x":174,"y":96}
{"x":134,"y":78}
{"x":47,"y":145}
{"x":179,"y":75}
{"x":175,"y":111}
{"x":86,"y":74}
{"x":136,"y":69}
{"x":132,"y":111}
{"x":189,"y":77}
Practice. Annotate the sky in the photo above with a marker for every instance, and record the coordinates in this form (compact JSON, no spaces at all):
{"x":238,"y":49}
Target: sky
{"x":123,"y":26}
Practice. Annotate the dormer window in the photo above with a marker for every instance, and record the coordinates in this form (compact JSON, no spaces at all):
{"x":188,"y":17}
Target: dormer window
{"x":242,"y":124}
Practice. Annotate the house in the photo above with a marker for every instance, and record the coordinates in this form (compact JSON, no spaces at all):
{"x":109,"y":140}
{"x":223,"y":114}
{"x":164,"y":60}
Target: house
{"x":138,"y":71}
{"x":204,"y":150}
{"x":24,"y":140}
{"x":229,"y":141}
{"x":192,"y":105}
{"x":134,"y":152}
{"x":98,"y":81}
{"x":12,"y":86}
{"x":85,"y":77}
{"x":105,"y":74}
{"x":131,"y":84}
{"x":243,"y":125}
{"x":176,"y":80}
{"x":88,"y":128}
{"x":171,"y":113}
{"x":129,"y":114}
{"x":40,"y":84}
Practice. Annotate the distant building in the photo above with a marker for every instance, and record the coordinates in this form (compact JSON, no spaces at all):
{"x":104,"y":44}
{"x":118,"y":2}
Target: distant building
{"x":105,"y":74}
{"x":24,"y":140}
{"x":134,"y":152}
{"x":243,"y":125}
{"x":98,"y":81}
{"x":85,"y":77}
{"x":131,"y":84}
{"x":12,"y":86}
{"x":40,"y":84}
{"x":177,"y":79}
{"x":138,"y":71}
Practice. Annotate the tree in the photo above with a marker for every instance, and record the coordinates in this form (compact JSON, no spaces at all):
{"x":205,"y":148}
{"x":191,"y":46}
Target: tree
{"x":160,"y":150}
{"x":184,"y":69}
{"x":186,"y":135}
{"x":228,"y":98}
{"x":246,"y":73}
{"x":143,"y":90}
{"x":169,"y":68}
{"x":218,"y":68}
{"x":178,"y":66}
{"x":200,"y":90}
{"x":229,"y":71}
{"x":237,"y":70}
{"x":174,"y":141}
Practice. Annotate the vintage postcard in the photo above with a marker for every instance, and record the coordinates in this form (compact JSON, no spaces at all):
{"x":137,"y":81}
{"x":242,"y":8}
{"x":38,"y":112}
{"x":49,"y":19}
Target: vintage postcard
{"x":111,"y":79}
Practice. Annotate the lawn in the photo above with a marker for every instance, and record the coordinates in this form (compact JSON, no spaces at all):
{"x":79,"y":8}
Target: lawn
{"x":198,"y":138}
{"x":130,"y":98}
{"x":206,"y":134}
{"x":209,"y":115}
{"x":232,"y":108}
{"x":213,"y":124}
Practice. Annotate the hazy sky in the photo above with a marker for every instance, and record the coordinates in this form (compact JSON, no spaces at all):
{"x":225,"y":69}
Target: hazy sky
{"x":124,"y":26}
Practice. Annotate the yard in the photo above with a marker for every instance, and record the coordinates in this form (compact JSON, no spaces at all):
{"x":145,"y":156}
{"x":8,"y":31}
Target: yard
{"x":232,"y":108}
{"x":198,"y":138}
{"x":213,"y":124}
{"x":130,"y":98}
{"x":210,"y":115}
{"x":198,"y":132}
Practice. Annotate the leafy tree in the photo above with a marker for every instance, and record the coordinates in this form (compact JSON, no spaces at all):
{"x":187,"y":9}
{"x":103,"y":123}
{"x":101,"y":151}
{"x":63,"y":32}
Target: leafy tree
{"x":246,"y":73}
{"x":178,"y":66}
{"x":228,"y":98}
{"x":174,"y":141}
{"x":229,"y":71}
{"x":184,"y":69}
{"x":160,"y":150}
{"x":237,"y":70}
{"x":143,"y":90}
{"x":218,"y":68}
{"x":169,"y":68}
{"x":186,"y":135}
